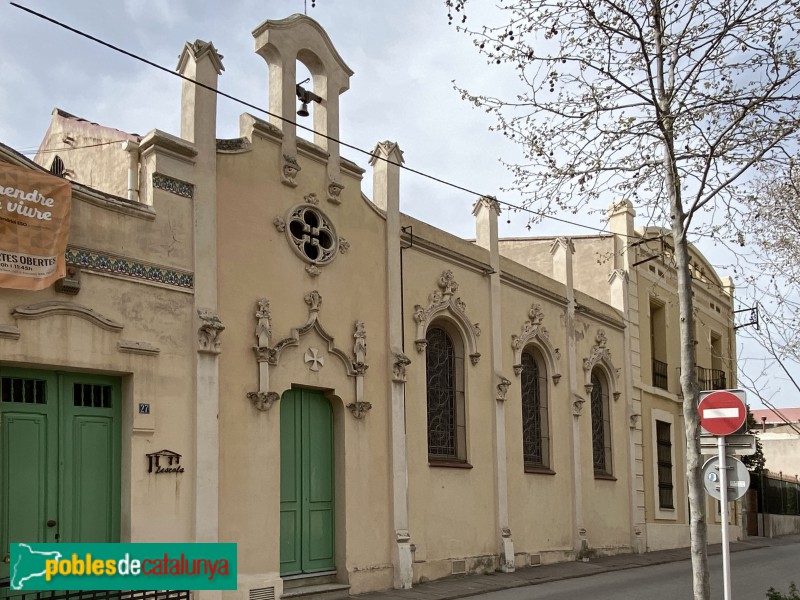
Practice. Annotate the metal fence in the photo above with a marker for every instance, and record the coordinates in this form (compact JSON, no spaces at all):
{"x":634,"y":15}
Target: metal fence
{"x":7,"y":592}
{"x":776,"y":495}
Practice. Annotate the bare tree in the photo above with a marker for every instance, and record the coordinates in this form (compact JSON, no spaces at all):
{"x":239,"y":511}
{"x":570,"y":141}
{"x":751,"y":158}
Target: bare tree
{"x":773,"y":213}
{"x":673,"y":104}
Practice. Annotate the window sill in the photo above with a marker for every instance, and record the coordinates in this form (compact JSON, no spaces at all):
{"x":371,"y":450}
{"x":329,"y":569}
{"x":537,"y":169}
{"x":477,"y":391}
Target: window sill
{"x":539,"y":470}
{"x":606,"y":476}
{"x":452,"y":464}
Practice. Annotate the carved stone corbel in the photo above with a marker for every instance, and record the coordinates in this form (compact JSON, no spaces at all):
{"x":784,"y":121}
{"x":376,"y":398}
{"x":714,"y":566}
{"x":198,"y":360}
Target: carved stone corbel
{"x":263,"y":401}
{"x":289,"y":170}
{"x":359,"y":408}
{"x":634,"y":420}
{"x":334,"y":192}
{"x":401,"y":361}
{"x":577,"y":405}
{"x":209,"y":331}
{"x":502,"y":387}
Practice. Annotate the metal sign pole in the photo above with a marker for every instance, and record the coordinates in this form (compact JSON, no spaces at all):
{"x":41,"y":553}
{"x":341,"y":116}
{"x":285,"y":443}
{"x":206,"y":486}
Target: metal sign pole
{"x":723,"y":484}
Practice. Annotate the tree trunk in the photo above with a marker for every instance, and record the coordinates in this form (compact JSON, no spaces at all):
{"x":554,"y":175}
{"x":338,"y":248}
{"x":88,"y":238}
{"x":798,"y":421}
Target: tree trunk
{"x":690,"y":390}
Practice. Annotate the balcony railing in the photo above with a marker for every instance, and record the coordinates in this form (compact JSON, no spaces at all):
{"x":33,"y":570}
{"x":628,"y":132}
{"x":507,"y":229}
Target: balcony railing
{"x":711,"y":379}
{"x":660,"y":379}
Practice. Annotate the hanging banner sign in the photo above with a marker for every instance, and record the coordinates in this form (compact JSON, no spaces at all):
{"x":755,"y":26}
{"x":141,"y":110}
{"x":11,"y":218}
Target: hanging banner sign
{"x":34,"y":225}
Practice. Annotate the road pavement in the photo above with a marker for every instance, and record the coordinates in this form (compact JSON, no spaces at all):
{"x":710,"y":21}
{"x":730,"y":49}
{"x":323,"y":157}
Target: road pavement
{"x":472,"y":585}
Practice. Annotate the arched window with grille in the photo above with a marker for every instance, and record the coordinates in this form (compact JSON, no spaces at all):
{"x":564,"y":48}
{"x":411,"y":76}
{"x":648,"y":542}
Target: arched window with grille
{"x":535,"y":419}
{"x":444,"y":367}
{"x":57,"y":166}
{"x":601,"y":424}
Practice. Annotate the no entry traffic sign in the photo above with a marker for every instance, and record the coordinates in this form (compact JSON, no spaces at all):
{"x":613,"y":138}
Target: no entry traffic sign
{"x":722,"y":412}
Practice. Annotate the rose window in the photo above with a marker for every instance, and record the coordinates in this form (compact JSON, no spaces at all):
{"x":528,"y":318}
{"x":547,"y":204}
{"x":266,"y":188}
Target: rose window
{"x":311,"y":234}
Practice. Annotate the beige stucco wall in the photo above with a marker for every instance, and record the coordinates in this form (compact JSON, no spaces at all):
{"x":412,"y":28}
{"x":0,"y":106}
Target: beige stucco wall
{"x":451,"y":510}
{"x":153,"y":508}
{"x":89,"y":152}
{"x":781,"y":447}
{"x":256,"y":261}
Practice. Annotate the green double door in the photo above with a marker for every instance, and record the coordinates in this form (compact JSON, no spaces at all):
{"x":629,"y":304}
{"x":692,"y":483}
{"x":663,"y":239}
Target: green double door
{"x":307,"y":492}
{"x":59,"y":458}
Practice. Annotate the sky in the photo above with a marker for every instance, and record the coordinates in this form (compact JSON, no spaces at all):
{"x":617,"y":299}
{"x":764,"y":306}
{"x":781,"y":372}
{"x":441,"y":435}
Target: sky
{"x":405,"y":57}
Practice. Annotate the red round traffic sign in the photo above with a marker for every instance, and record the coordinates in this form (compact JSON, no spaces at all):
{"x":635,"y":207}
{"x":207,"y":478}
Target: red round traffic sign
{"x":722,"y":412}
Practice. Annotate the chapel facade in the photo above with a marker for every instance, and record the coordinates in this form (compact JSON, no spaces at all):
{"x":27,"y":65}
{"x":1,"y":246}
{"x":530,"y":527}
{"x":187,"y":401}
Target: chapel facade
{"x":356,"y":398}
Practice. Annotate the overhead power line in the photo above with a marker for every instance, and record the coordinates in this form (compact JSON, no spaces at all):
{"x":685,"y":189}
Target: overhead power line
{"x":309,"y":129}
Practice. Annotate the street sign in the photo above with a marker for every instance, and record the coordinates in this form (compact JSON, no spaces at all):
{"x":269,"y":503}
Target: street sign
{"x":735,"y":445}
{"x":722,"y":412}
{"x":738,"y":478}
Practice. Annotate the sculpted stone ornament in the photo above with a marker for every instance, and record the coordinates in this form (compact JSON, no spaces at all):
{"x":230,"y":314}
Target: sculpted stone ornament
{"x":443,"y":300}
{"x":601,"y":355}
{"x":502,"y":387}
{"x":360,"y":345}
{"x":264,"y":322}
{"x":599,"y":352}
{"x":401,"y":361}
{"x":359,"y":408}
{"x":344,"y":245}
{"x":313,"y":270}
{"x":209,"y":331}
{"x":265,"y":354}
{"x":577,"y":405}
{"x":634,"y":420}
{"x":334,"y":192}
{"x":311,"y":233}
{"x":263,"y":401}
{"x":534,"y":332}
{"x":313,"y":359}
{"x":289,"y":170}
{"x":314,"y":301}
{"x":279,"y":223}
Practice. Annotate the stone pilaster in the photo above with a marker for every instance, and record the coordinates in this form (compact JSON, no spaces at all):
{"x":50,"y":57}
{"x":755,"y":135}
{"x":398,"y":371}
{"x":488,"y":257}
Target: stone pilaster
{"x":386,"y":192}
{"x":624,"y":296}
{"x":201,"y":62}
{"x":562,"y":252}
{"x":486,"y":211}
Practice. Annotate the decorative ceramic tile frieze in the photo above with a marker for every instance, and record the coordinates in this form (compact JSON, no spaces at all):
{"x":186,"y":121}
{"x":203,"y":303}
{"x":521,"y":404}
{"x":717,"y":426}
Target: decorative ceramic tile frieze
{"x":116,"y":265}
{"x":233,"y":145}
{"x":173,"y":186}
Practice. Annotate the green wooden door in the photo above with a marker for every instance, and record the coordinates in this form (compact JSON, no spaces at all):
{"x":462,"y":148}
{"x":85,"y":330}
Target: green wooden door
{"x":307,"y":524}
{"x":59,"y":458}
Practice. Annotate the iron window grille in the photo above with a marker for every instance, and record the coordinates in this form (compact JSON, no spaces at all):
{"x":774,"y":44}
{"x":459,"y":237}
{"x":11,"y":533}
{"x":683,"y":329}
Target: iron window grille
{"x":664,"y":464}
{"x":601,"y":426}
{"x":445,"y":397}
{"x":535,"y":438}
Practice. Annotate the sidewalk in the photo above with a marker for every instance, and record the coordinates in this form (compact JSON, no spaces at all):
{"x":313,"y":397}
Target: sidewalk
{"x":470,"y":585}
